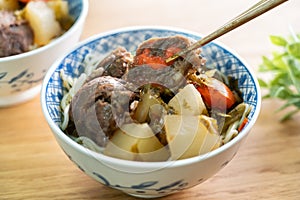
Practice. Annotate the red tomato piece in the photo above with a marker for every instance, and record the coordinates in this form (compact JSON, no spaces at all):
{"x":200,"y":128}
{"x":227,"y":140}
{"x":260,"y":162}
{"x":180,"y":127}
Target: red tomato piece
{"x":216,"y":94}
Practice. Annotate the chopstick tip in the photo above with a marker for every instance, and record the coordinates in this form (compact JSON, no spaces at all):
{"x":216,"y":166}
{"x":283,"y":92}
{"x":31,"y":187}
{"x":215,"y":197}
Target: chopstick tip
{"x":171,"y":58}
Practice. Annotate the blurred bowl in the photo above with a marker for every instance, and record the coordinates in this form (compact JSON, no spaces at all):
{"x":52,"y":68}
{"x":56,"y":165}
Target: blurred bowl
{"x":146,"y":179}
{"x":21,"y":75}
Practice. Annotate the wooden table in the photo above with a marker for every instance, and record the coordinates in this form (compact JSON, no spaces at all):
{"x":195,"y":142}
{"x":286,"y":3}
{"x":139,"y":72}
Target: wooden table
{"x":32,"y":165}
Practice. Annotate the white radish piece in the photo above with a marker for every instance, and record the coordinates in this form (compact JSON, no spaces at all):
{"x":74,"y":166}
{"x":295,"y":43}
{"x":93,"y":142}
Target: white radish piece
{"x":42,"y":21}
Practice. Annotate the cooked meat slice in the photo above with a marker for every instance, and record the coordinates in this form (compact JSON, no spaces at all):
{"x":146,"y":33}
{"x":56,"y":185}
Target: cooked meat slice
{"x":168,"y":77}
{"x":16,"y":36}
{"x":115,"y":64}
{"x":100,"y":107}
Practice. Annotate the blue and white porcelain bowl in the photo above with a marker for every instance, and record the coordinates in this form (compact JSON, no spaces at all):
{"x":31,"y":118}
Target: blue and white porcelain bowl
{"x":21,"y":75}
{"x":146,"y":179}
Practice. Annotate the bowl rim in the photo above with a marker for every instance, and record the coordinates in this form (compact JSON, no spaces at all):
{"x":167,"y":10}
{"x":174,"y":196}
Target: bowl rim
{"x":80,"y":20}
{"x":139,"y":164}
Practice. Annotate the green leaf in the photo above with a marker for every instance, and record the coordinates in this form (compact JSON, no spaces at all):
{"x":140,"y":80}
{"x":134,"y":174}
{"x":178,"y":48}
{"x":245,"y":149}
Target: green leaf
{"x":267,"y":96}
{"x":294,"y":49}
{"x":278,"y":40}
{"x":284,"y":69}
{"x":280,"y":79}
{"x":289,"y":103}
{"x":280,"y":63}
{"x":293,"y":71}
{"x":280,"y":92}
{"x":289,"y":115}
{"x":262,"y":83}
{"x":267,"y":64}
{"x":294,"y":66}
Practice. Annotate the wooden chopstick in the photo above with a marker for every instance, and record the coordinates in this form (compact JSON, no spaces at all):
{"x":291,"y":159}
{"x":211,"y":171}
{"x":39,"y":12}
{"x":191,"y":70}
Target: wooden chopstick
{"x":251,"y":13}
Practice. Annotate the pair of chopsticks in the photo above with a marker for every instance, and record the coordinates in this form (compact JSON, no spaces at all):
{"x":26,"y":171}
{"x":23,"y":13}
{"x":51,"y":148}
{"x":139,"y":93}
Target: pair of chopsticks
{"x":251,"y":13}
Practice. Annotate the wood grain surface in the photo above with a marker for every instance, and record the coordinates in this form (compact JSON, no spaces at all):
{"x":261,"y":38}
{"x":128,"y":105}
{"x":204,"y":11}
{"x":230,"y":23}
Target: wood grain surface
{"x":32,"y":165}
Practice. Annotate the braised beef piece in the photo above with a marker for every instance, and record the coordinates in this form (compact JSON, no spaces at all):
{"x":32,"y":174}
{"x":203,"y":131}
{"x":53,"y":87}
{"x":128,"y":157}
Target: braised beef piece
{"x":150,"y":65}
{"x":100,"y":107}
{"x":115,"y":64}
{"x":168,"y":77}
{"x":16,"y":36}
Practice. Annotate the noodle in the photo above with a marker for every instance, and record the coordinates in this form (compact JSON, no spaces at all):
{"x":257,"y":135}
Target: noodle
{"x":89,"y":144}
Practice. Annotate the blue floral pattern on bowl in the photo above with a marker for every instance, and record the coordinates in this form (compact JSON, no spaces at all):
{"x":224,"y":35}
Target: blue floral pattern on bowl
{"x":21,"y":81}
{"x":146,"y":187}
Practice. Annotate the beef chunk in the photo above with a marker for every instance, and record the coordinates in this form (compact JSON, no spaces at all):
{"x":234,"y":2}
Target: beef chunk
{"x":16,"y":36}
{"x":150,"y":65}
{"x":168,"y":77}
{"x":100,"y":107}
{"x":115,"y":64}
{"x":155,"y":51}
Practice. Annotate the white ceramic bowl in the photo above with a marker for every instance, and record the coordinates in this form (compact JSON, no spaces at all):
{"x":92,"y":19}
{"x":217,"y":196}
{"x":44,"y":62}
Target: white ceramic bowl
{"x":21,"y":75}
{"x":146,"y":179}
